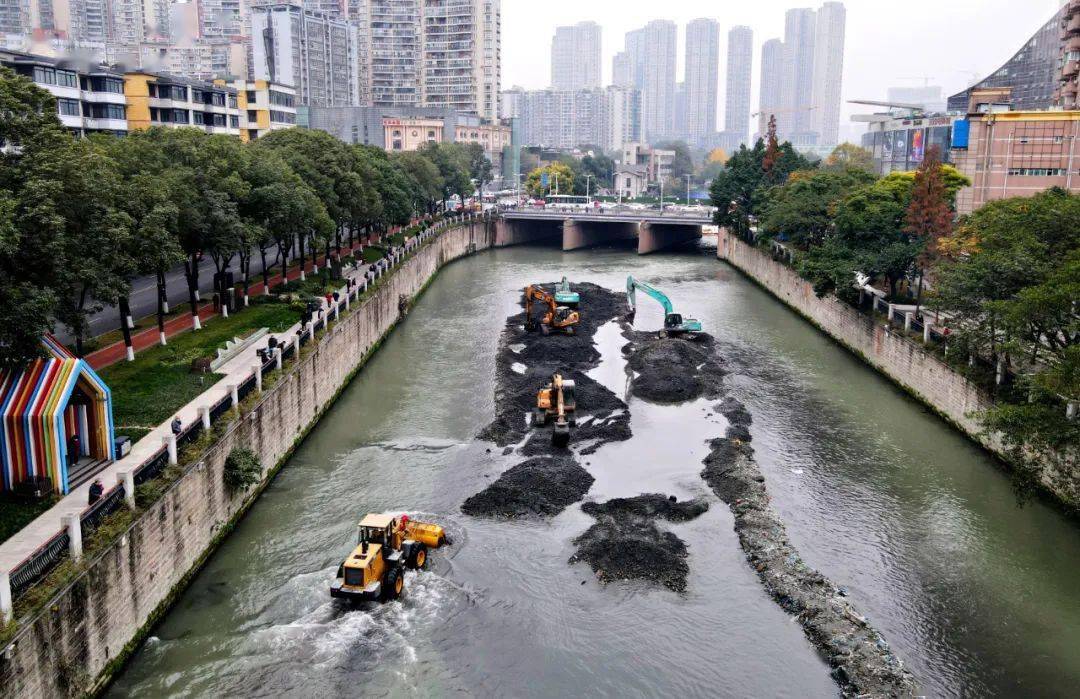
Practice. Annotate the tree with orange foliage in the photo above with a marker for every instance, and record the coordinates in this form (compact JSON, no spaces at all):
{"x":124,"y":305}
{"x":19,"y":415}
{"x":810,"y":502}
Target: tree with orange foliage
{"x":930,"y":215}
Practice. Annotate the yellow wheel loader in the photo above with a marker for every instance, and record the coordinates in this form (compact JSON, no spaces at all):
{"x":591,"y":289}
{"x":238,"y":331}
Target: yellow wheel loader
{"x":375,"y":570}
{"x":556,"y":401}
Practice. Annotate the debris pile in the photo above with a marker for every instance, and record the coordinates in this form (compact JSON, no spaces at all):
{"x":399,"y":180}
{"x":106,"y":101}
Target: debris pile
{"x":626,"y":544}
{"x":862,"y":662}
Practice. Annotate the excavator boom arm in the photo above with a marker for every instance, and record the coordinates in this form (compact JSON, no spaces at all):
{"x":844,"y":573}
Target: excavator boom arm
{"x":632,"y":285}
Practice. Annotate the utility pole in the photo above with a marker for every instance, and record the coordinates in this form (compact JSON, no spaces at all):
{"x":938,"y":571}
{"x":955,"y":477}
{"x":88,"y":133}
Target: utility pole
{"x":688,"y":189}
{"x":588,"y":190}
{"x":661,"y":196}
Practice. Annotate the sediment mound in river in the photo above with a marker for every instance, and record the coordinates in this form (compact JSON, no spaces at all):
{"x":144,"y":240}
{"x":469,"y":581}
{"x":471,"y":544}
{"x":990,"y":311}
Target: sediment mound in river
{"x":673,"y":369}
{"x":738,"y":417}
{"x":538,"y":487}
{"x":625,"y":543}
{"x":527,"y":360}
{"x":862,"y":662}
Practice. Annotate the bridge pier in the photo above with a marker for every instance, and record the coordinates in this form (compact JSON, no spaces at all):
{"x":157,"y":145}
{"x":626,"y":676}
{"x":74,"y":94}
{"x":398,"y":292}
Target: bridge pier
{"x":518,"y":232}
{"x":658,"y":236}
{"x":584,"y":234}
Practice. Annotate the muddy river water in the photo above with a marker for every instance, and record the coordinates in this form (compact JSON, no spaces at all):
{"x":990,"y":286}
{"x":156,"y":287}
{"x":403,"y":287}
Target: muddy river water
{"x":977,"y":595}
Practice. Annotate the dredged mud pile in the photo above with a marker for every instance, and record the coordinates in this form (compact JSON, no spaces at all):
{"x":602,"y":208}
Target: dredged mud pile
{"x":738,"y":417}
{"x":863,"y":664}
{"x":541,"y":486}
{"x":542,"y":356}
{"x":673,"y":369}
{"x":626,"y":544}
{"x":551,"y":479}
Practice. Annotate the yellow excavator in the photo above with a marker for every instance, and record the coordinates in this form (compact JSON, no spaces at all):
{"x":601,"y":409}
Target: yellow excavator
{"x":556,"y":401}
{"x":557,"y":319}
{"x":375,"y":570}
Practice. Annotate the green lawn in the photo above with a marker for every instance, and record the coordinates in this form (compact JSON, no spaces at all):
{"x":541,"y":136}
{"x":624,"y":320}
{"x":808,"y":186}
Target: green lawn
{"x":149,"y":390}
{"x":16,"y":513}
{"x":315,"y":285}
{"x":373,"y":253}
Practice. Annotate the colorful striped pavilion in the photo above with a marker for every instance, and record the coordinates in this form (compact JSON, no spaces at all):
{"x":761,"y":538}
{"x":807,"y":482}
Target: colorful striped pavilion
{"x":43,"y":407}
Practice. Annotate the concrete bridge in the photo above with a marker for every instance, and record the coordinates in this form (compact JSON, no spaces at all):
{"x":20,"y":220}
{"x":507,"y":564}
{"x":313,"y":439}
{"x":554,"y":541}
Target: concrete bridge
{"x":654,"y":230}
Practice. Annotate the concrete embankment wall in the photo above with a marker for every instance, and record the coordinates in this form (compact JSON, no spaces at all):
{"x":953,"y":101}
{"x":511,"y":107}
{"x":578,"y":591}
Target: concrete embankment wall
{"x":86,"y":632}
{"x":901,"y":359}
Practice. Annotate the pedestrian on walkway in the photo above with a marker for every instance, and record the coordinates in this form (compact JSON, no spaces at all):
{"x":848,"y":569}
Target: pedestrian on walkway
{"x":177,"y":426}
{"x":74,"y":448}
{"x":96,"y":491}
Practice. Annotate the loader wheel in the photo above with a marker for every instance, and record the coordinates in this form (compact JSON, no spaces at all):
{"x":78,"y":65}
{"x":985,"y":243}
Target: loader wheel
{"x":394,"y":585}
{"x":418,"y":557}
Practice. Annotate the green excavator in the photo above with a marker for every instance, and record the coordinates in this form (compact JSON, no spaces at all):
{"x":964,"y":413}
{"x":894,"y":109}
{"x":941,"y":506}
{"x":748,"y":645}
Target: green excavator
{"x":565,"y":296}
{"x":674,"y":324}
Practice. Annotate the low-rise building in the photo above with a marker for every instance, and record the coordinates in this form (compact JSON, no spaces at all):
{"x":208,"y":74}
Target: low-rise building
{"x":264,"y":106}
{"x":631,"y":181}
{"x":659,"y":164}
{"x":160,"y":99}
{"x":89,"y":98}
{"x":409,"y":128}
{"x":899,"y":143}
{"x":1015,"y":154}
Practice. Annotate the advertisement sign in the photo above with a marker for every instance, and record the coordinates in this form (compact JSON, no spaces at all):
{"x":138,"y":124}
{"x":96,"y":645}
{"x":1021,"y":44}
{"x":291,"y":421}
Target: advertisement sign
{"x":918,"y":145}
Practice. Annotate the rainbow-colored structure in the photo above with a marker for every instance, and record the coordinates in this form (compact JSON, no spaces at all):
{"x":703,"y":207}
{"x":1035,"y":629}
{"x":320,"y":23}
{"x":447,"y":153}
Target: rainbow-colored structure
{"x":41,"y":407}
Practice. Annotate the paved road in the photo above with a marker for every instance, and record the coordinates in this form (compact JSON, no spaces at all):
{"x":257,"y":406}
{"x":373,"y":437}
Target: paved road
{"x":144,"y":295}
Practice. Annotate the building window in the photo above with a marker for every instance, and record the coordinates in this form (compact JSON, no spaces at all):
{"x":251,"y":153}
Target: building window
{"x":431,"y":135}
{"x":1036,"y":172}
{"x":66,"y":79}
{"x":232,"y":101}
{"x":252,"y":98}
{"x":44,"y":76}
{"x":105,"y":111}
{"x":68,"y":107}
{"x":234,"y":121}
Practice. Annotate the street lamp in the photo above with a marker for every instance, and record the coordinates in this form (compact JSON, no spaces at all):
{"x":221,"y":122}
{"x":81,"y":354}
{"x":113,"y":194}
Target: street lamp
{"x":688,"y":189}
{"x":661,"y":196}
{"x":588,"y":181}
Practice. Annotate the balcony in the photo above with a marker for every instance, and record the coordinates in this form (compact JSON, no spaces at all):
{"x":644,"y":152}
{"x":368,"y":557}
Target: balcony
{"x":1070,"y":70}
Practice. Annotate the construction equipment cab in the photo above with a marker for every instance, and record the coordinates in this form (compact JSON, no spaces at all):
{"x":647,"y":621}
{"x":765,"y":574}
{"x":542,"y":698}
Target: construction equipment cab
{"x":556,"y":402}
{"x":565,"y":296}
{"x":375,"y":570}
{"x":674,"y":323}
{"x":557,"y":319}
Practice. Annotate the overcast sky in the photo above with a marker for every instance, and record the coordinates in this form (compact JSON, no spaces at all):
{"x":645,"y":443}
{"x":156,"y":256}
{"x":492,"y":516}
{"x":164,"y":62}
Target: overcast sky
{"x":953,"y":42}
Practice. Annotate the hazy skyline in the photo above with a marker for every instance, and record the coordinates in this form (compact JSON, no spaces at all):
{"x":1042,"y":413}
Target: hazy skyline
{"x":952,"y":43}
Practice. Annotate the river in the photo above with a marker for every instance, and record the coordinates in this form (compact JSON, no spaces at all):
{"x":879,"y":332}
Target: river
{"x":978,"y":595}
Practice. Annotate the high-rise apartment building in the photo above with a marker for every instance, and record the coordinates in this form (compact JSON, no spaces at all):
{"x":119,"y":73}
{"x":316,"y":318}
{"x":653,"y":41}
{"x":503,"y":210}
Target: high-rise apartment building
{"x":390,"y":56}
{"x":795,"y":119}
{"x":607,"y":118}
{"x":702,"y":79}
{"x":772,"y":76}
{"x":830,"y":25}
{"x":576,"y":56}
{"x":622,"y":70}
{"x":740,"y":63}
{"x":461,"y":57}
{"x":652,"y":51}
{"x":306,"y":50}
{"x":622,"y":117}
{"x":225,"y":18}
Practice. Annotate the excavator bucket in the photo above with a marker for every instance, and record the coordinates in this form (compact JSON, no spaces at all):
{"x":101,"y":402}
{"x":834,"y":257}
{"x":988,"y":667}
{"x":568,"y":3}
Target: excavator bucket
{"x":560,"y":436}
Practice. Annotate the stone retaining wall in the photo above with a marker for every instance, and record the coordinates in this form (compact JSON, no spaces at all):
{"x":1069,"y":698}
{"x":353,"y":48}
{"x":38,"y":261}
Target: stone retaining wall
{"x":903,"y":360}
{"x":86,"y":632}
